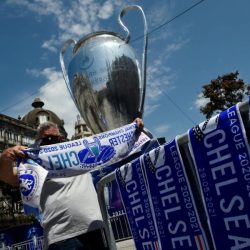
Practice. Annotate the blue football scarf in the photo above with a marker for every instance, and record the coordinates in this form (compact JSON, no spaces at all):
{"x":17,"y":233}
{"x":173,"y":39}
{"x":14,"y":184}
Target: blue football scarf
{"x":173,"y":204}
{"x":136,"y":202}
{"x":158,"y":201}
{"x":75,"y":157}
{"x":221,"y":154}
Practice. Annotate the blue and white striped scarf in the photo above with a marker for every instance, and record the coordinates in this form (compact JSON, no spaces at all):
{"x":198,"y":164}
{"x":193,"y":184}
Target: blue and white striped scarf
{"x":76,"y":157}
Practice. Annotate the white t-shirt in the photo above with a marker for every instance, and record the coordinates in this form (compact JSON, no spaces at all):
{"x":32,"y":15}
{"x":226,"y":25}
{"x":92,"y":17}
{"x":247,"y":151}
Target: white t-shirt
{"x":69,"y":207}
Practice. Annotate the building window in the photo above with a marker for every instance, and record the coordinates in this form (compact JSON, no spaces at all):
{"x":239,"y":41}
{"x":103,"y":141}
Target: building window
{"x":42,"y":118}
{"x":15,"y":137}
{"x":7,"y":135}
{"x":79,"y":130}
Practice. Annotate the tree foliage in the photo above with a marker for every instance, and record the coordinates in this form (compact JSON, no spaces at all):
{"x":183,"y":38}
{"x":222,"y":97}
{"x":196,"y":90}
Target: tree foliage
{"x":223,"y":92}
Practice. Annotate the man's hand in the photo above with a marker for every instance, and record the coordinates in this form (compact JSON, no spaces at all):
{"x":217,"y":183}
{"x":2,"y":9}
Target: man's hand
{"x":13,"y":153}
{"x":8,"y":173}
{"x":139,"y":123}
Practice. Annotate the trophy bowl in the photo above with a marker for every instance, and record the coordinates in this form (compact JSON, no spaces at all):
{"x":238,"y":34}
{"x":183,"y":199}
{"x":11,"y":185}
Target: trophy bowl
{"x":105,"y":80}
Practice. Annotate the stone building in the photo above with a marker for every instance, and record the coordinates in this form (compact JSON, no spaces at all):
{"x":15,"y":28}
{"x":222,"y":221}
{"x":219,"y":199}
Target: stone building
{"x":40,"y":115}
{"x":22,"y":131}
{"x":15,"y":132}
{"x":81,"y":129}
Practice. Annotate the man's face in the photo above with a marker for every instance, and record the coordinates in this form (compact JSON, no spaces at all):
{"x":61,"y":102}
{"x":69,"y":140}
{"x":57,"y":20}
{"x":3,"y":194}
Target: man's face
{"x":50,"y":131}
{"x":50,"y":136}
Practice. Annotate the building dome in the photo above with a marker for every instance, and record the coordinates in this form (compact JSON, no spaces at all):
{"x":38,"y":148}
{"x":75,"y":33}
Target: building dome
{"x":40,"y":115}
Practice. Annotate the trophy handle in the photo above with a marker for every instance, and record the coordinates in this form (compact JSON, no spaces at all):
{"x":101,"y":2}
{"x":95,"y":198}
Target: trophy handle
{"x":65,"y":75}
{"x":144,"y":54}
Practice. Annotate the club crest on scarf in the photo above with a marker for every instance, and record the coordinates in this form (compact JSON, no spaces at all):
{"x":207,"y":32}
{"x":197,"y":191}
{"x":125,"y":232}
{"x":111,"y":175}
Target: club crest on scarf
{"x":28,"y":183}
{"x":94,"y":153}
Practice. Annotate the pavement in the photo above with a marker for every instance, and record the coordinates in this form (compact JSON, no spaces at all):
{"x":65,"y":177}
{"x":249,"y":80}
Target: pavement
{"x":125,"y":245}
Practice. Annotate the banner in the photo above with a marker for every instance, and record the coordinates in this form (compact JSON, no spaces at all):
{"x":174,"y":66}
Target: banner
{"x":99,"y":152}
{"x":137,"y":205}
{"x":221,"y":154}
{"x":89,"y":153}
{"x":173,"y":204}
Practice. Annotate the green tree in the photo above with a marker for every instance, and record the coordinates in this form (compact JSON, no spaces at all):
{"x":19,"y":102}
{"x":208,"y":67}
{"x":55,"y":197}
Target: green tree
{"x":223,"y":92}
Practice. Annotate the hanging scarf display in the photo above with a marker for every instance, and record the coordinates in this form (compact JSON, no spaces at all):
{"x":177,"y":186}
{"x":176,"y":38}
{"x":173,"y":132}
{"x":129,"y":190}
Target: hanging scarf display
{"x":221,"y":154}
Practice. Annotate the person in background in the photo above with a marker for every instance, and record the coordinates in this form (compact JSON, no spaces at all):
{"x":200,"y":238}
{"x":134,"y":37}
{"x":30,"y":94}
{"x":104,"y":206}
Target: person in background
{"x":71,"y":214}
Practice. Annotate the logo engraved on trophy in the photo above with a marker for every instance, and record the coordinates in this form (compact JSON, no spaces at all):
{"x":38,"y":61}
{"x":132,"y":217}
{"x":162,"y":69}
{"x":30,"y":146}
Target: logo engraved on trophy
{"x":104,"y":78}
{"x":86,"y":62}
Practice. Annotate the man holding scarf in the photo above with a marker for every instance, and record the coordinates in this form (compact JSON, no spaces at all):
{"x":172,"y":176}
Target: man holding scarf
{"x":69,"y":206}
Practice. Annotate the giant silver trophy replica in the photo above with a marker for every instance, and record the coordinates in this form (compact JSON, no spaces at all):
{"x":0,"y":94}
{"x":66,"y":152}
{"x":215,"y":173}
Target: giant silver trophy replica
{"x":104,"y":77}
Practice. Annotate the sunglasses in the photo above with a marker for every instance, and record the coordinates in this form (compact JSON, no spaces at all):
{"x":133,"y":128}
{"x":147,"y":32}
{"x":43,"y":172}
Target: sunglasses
{"x":52,"y":139}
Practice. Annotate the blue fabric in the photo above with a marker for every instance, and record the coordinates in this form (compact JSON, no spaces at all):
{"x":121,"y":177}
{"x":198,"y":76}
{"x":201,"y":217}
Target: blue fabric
{"x":90,"y":153}
{"x":136,"y":201}
{"x":158,"y":201}
{"x":222,"y":163}
{"x":99,"y":173}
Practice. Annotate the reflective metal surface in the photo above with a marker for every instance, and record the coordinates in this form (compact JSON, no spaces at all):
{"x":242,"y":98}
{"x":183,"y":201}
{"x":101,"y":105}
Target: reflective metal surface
{"x":105,"y":80}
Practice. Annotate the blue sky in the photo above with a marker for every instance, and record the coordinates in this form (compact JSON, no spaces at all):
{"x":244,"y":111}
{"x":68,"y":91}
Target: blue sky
{"x":210,"y":40}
